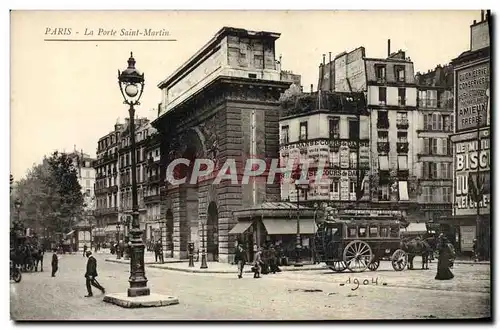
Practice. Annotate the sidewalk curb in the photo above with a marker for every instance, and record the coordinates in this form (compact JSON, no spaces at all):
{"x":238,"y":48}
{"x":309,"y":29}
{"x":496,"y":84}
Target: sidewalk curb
{"x":235,"y":271}
{"x":126,"y":262}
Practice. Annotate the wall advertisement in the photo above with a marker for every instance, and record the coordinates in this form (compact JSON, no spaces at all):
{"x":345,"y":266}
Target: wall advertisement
{"x":467,"y":235}
{"x":472,"y":177}
{"x":473,"y":94}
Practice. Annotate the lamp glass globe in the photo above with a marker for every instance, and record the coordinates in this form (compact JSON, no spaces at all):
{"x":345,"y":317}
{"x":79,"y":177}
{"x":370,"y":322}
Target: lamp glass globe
{"x":131,"y":90}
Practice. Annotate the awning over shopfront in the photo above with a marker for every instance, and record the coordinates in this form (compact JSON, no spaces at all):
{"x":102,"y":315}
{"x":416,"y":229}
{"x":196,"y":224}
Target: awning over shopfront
{"x":110,"y":229}
{"x":288,"y":226}
{"x":240,"y":227}
{"x":415,"y":228}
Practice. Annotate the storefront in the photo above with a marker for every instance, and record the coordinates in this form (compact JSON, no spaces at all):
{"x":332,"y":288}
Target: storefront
{"x":275,"y":223}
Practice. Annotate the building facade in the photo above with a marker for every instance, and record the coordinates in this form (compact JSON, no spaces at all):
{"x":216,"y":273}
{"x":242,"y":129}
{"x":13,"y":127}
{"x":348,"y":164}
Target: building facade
{"x":142,"y":131}
{"x":472,"y":141}
{"x":391,"y":97}
{"x":331,"y":135}
{"x":221,"y":104}
{"x":107,"y":184}
{"x":435,"y":152}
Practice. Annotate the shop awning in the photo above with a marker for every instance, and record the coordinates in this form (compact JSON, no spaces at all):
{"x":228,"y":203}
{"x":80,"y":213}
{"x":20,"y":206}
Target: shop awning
{"x":288,"y":227}
{"x":110,"y":229}
{"x":415,"y":228}
{"x":240,"y":227}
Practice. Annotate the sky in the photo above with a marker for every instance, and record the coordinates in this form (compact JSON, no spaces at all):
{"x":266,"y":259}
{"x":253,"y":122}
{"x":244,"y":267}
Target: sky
{"x":66,"y":93}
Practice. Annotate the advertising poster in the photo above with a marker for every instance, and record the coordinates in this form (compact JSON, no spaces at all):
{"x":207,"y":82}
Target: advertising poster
{"x":470,"y":187}
{"x":472,"y":90}
{"x":467,"y":235}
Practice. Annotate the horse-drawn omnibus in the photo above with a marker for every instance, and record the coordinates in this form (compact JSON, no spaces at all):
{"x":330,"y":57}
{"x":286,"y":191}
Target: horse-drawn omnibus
{"x":358,"y":242}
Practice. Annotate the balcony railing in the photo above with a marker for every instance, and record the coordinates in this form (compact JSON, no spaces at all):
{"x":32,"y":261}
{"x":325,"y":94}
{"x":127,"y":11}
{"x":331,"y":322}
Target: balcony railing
{"x":152,"y":198}
{"x":402,"y":124}
{"x":153,"y":178}
{"x":402,"y":147}
{"x":106,"y":210}
{"x":383,"y":147}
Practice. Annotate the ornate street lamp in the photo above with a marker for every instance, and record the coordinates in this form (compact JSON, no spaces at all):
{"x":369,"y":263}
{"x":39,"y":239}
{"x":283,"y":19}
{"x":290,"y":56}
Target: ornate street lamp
{"x":126,"y":241}
{"x":131,"y":83}
{"x":300,"y":185}
{"x":118,"y":239}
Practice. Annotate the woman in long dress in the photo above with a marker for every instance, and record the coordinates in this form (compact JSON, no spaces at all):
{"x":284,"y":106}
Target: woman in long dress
{"x":445,"y":255}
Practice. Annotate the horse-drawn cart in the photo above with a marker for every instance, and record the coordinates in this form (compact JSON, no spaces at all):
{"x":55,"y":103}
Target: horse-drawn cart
{"x":359,"y":242}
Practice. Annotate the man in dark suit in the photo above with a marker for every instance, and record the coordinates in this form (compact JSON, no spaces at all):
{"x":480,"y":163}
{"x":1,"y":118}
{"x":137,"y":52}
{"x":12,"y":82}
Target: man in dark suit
{"x":91,"y":275}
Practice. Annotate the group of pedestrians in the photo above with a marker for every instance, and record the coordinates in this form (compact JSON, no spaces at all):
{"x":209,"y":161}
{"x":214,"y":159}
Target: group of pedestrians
{"x":266,"y":260}
{"x":90,"y":273}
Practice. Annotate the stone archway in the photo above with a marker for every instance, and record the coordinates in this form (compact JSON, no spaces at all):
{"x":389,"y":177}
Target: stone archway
{"x":169,"y":234}
{"x":212,"y":231}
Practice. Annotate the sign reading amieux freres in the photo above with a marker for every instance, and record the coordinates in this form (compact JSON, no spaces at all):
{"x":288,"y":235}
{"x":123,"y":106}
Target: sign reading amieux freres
{"x":473,"y":91}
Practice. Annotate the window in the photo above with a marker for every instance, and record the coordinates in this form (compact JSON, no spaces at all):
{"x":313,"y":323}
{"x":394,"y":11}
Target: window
{"x":334,"y":128}
{"x":353,"y":129}
{"x":303,"y":131}
{"x":400,"y":73}
{"x":383,"y":163}
{"x":394,"y":231}
{"x":383,"y":136}
{"x":383,"y":193}
{"x":402,"y":117}
{"x":432,"y":98}
{"x":444,"y":146}
{"x":403,"y":163}
{"x":401,"y":96}
{"x":334,"y":186}
{"x":352,"y":186}
{"x":427,"y":194}
{"x":447,"y":124}
{"x":446,"y":170}
{"x":380,"y":72}
{"x":361,"y":231}
{"x":402,"y":137}
{"x":373,"y":231}
{"x":422,"y":99}
{"x":447,"y":194}
{"x":353,"y":159}
{"x":284,"y":134}
{"x":334,"y":159}
{"x":434,"y":146}
{"x":433,"y":169}
{"x":351,"y":231}
{"x":427,"y":146}
{"x":428,"y":122}
{"x":384,"y":232}
{"x":437,"y":122}
{"x":382,"y":95}
{"x":383,"y":119}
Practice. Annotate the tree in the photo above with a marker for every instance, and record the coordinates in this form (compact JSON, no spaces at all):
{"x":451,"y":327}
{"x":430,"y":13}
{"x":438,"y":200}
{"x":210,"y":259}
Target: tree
{"x":51,"y":195}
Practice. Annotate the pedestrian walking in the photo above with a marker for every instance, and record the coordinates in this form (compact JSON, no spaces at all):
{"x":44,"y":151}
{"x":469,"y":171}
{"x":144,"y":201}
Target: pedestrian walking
{"x":240,"y":258}
{"x":91,"y":274}
{"x":55,"y":263}
{"x":273,"y":260}
{"x":84,"y":249}
{"x":446,"y":255}
{"x":257,"y":263}
{"x":474,"y":250}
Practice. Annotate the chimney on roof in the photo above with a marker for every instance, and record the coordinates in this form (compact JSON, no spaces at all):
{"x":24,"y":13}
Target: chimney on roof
{"x":311,"y":88}
{"x":482,"y":15}
{"x":474,"y":22}
{"x":388,"y":47}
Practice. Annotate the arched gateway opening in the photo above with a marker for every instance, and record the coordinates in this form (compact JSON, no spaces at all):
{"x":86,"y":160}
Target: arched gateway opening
{"x":212,"y":232}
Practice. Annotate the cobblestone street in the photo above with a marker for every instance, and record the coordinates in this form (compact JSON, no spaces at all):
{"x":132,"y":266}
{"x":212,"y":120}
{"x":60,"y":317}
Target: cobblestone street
{"x":307,"y":295}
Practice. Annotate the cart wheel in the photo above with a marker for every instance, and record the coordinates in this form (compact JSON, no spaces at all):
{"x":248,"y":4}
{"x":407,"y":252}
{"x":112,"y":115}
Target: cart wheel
{"x":399,"y":260}
{"x":373,"y":266}
{"x":357,"y":256}
{"x":337,"y":266}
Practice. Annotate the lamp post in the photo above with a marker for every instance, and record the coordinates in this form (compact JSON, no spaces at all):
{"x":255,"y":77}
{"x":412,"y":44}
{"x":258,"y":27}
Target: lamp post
{"x":131,"y":84}
{"x":203,"y":252}
{"x":304,"y":186}
{"x":118,"y":239}
{"x":126,"y":228}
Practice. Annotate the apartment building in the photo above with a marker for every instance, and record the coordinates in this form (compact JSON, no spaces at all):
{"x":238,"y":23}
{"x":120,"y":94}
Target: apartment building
{"x":391,"y":93}
{"x":142,"y":131}
{"x":435,"y":152}
{"x":107,"y":185}
{"x":333,"y":130}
